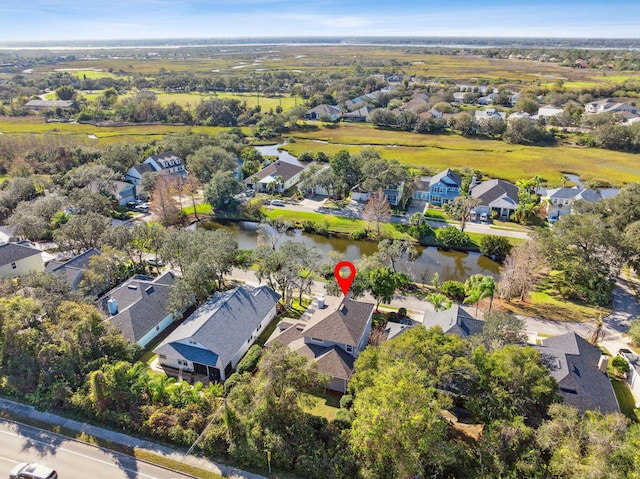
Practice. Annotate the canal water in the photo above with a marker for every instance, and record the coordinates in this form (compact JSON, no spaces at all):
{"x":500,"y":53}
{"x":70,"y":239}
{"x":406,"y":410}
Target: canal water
{"x":450,"y":265}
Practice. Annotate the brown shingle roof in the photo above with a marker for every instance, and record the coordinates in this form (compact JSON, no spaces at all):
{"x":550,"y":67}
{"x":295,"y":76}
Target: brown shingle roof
{"x":345,"y":324}
{"x":277,"y":168}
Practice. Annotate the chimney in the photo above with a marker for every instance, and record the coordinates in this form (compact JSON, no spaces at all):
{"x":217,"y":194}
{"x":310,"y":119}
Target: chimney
{"x":113,"y":306}
{"x":602,"y":363}
{"x":320,"y":300}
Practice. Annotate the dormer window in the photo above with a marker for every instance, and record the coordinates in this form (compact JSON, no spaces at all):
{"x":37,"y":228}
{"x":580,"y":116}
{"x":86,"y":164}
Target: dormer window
{"x":349,"y":348}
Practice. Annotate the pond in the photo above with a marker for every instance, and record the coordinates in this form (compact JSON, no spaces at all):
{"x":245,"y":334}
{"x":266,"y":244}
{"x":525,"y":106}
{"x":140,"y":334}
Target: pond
{"x":450,"y":265}
{"x":283,"y":155}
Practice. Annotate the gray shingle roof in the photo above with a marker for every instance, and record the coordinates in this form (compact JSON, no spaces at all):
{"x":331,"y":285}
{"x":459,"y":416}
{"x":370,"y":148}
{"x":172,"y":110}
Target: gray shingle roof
{"x":12,"y":252}
{"x":492,"y":190}
{"x":222,"y":324}
{"x":144,"y":168}
{"x":585,"y":194}
{"x":573,"y":363}
{"x":454,"y":320}
{"x":277,"y":168}
{"x":49,"y":103}
{"x":343,"y":324}
{"x":142,"y":304}
{"x":447,"y":177}
{"x":74,"y":268}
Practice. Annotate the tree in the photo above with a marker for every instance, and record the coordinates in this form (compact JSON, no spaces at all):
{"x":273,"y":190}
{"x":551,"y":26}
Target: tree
{"x":163,"y":202}
{"x":105,"y":270}
{"x":208,"y":160}
{"x":465,"y":124}
{"x":439,"y":301}
{"x":620,"y":365}
{"x":395,"y":250}
{"x":583,"y":445}
{"x":65,"y":92}
{"x":634,"y":332}
{"x":81,"y":232}
{"x":220,"y":190}
{"x":461,"y":208}
{"x":512,"y":382}
{"x":518,"y":274}
{"x":495,"y":247}
{"x":377,"y":209}
{"x":478,"y":287}
{"x":501,"y":329}
{"x":383,"y":283}
{"x":453,"y":237}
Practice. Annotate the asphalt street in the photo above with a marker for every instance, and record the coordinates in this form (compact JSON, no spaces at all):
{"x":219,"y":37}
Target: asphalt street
{"x":72,"y":459}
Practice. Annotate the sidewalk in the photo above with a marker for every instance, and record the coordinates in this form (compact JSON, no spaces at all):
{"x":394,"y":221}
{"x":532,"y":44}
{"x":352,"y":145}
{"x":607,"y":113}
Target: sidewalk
{"x":18,"y":411}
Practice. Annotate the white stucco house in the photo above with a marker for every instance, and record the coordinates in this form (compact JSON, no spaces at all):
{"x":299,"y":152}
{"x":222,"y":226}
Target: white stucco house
{"x":19,"y":259}
{"x":168,"y":163}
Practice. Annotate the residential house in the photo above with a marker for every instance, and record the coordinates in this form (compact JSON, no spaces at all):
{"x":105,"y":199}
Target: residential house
{"x":547,"y":111}
{"x":395,"y":195}
{"x":360,"y":115}
{"x":8,"y":235}
{"x":444,"y":187}
{"x":488,"y":99}
{"x":489,"y":113}
{"x":558,"y":202}
{"x":72,"y":270}
{"x":319,"y":112}
{"x":334,"y":335}
{"x":495,"y":195}
{"x":418,"y":103}
{"x":581,"y":372}
{"x":139,"y":307}
{"x":609,"y":105}
{"x":421,"y":188}
{"x":276,"y":177}
{"x":454,"y":320}
{"x":168,"y":163}
{"x":458,"y":97}
{"x":19,"y":259}
{"x":432,"y":113}
{"x":520,"y":114}
{"x":122,"y":192}
{"x":633,"y":376}
{"x":44,"y":105}
{"x":215,"y":337}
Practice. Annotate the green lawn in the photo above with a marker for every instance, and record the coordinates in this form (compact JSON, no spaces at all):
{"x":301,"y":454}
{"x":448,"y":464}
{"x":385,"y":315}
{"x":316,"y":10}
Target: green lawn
{"x":623,"y":395}
{"x":325,"y":405}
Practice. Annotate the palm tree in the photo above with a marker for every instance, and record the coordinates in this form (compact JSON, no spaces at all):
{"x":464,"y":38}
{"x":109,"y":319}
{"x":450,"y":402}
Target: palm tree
{"x":564,"y":179}
{"x":439,"y":301}
{"x":479,"y":287}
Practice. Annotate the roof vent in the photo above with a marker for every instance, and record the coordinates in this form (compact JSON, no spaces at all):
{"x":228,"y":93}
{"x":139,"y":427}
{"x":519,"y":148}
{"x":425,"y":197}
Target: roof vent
{"x":132,"y":286}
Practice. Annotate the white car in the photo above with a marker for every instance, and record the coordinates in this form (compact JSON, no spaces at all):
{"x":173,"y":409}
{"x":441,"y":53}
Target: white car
{"x":32,"y":471}
{"x":484,"y":217}
{"x":277,"y":203}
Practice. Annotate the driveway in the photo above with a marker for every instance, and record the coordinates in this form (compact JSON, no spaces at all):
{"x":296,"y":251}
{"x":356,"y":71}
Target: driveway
{"x":625,"y":307}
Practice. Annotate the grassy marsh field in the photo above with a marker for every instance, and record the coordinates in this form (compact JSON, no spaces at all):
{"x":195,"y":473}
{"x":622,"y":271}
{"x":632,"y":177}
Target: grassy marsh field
{"x":494,"y":158}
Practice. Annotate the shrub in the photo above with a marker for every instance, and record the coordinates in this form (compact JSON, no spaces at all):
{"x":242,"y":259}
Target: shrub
{"x":434,"y":214}
{"x":346,"y":401}
{"x":634,"y":332}
{"x":250,"y":360}
{"x":231,"y":381}
{"x":453,"y":289}
{"x":619,"y":364}
{"x":496,"y":247}
{"x":393,"y":317}
{"x":308,"y":226}
{"x":452,"y":236}
{"x":359,"y":234}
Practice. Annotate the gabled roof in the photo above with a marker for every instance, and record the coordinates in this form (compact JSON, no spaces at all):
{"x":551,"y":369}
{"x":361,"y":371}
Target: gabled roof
{"x":344,"y":323}
{"x":142,"y":304}
{"x":585,"y":194}
{"x":454,"y":320}
{"x":359,"y":113}
{"x":324,"y":110}
{"x":166,"y":156}
{"x":49,"y":103}
{"x":495,"y":191}
{"x":221,"y":325}
{"x":573,"y":363}
{"x":74,"y":268}
{"x":277,"y":168}
{"x":447,"y":177}
{"x":143,"y":168}
{"x":12,"y":252}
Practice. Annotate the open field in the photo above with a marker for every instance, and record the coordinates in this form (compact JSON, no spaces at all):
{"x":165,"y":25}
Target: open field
{"x":492,"y":157}
{"x":240,"y":60}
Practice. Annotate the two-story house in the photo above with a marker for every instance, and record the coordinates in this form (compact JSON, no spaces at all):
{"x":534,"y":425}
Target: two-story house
{"x":439,"y":189}
{"x":276,"y":177}
{"x":168,"y":163}
{"x":495,"y":195}
{"x":214,"y":338}
{"x":334,"y":335}
{"x":395,"y":194}
{"x":558,"y":202}
{"x":19,"y":259}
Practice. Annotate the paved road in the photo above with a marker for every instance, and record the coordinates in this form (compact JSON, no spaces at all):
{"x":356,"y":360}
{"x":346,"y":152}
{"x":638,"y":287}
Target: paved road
{"x":72,"y":459}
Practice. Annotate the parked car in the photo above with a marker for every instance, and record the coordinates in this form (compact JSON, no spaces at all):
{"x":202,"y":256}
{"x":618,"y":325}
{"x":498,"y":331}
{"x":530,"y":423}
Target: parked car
{"x":157,"y":262}
{"x":484,"y":217}
{"x":32,"y":470}
{"x":473,"y":216}
{"x":277,"y":203}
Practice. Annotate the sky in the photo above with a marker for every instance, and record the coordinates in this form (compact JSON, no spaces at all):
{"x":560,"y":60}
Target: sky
{"x":51,"y":20}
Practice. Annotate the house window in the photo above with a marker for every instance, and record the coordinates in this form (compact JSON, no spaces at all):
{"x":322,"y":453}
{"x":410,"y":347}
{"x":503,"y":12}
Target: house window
{"x":249,"y":340}
{"x":162,"y":356}
{"x":566,"y":202}
{"x":258,"y":328}
{"x":158,"y":328}
{"x":191,"y":341}
{"x":349,"y":348}
{"x":14,"y":266}
{"x":183,"y":363}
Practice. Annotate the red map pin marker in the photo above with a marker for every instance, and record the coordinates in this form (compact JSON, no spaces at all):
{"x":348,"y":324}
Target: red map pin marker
{"x":345,"y":283}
